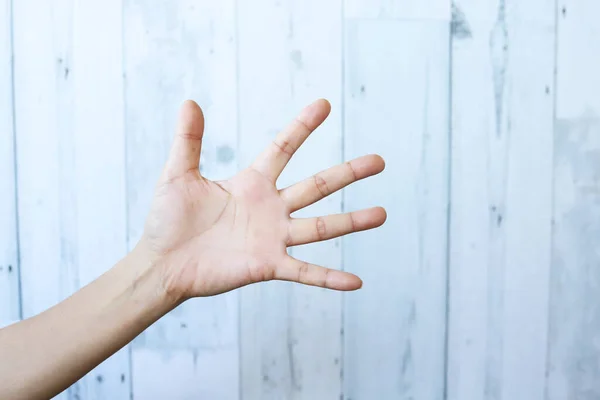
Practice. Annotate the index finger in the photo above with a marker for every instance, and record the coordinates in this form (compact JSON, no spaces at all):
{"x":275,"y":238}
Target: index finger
{"x":275,"y":157}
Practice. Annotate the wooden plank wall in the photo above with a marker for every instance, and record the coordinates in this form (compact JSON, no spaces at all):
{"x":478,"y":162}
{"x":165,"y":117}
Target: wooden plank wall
{"x":396,"y":104}
{"x":482,"y":284}
{"x":500,"y":222}
{"x":10,"y":301}
{"x":573,"y":360}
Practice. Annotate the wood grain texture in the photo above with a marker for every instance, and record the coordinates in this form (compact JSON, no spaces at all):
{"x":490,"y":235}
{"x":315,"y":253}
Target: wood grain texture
{"x":290,"y":334}
{"x":44,"y":154}
{"x":10,"y":309}
{"x":573,"y":366}
{"x":174,"y":51}
{"x":398,"y":9}
{"x":192,"y":375}
{"x":70,"y":160}
{"x":98,"y":145}
{"x":396,"y":101}
{"x":42,"y":107}
{"x":502,"y":120}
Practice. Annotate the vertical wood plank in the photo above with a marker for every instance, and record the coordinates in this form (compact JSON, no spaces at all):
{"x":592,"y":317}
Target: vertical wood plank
{"x":9,"y":263}
{"x":290,"y":334}
{"x":194,"y":374}
{"x":44,"y":156}
{"x":475,"y":240}
{"x":397,"y":105}
{"x":174,"y":51}
{"x":573,"y":368}
{"x":398,"y":9}
{"x":99,"y":166}
{"x":502,"y":122}
{"x":40,"y":97}
{"x":70,"y":160}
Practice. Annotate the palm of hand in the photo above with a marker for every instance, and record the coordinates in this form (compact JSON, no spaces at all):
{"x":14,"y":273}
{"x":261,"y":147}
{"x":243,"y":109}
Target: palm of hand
{"x":213,"y":237}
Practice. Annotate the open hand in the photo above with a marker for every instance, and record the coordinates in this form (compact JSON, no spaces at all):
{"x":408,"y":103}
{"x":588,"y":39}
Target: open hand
{"x":211,"y":237}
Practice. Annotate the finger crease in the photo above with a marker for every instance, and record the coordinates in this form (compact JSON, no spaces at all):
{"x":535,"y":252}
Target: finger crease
{"x":191,"y":136}
{"x":285,"y":147}
{"x":326,"y":278}
{"x":352,"y":222}
{"x":321,"y":229}
{"x":169,"y":179}
{"x":303,"y":124}
{"x":288,"y":239}
{"x":303,"y":272}
{"x":352,"y":171}
{"x":321,"y":185}
{"x":268,"y":273}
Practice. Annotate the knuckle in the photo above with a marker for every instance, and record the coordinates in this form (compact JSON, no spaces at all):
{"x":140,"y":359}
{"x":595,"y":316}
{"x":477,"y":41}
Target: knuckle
{"x":352,"y":171}
{"x":268,"y":274}
{"x":284,"y":146}
{"x":303,"y":125}
{"x":325,"y":278}
{"x":321,"y":228}
{"x":352,"y":222}
{"x":303,"y":272}
{"x":261,"y":272}
{"x":321,"y":185}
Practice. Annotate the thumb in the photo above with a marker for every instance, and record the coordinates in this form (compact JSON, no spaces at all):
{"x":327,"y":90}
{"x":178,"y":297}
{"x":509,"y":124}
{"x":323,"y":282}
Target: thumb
{"x":185,"y":152}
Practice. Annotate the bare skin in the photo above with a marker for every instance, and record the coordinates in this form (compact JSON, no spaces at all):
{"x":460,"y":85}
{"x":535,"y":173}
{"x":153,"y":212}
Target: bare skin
{"x":201,"y":238}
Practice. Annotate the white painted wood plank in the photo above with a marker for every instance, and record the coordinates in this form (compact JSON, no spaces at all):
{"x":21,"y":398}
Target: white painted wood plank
{"x":573,"y":367}
{"x":528,"y":211}
{"x":9,"y":263}
{"x":397,"y":106}
{"x":40,"y":99}
{"x":502,"y":101}
{"x":174,"y":51}
{"x":99,"y":166}
{"x":476,"y":196}
{"x":70,"y":160}
{"x":398,"y":9}
{"x":196,"y":374}
{"x":290,"y":334}
{"x":44,"y":159}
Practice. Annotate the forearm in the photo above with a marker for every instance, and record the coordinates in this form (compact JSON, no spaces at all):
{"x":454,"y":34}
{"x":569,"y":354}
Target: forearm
{"x":42,"y":356}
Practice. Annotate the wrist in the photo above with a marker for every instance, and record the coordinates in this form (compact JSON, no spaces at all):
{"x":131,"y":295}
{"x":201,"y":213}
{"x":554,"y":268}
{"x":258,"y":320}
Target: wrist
{"x":152,"y":272}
